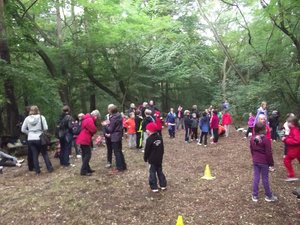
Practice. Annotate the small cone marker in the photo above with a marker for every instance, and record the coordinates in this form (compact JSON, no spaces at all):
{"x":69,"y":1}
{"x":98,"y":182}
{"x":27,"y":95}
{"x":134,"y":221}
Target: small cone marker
{"x":207,"y":174}
{"x":180,"y":221}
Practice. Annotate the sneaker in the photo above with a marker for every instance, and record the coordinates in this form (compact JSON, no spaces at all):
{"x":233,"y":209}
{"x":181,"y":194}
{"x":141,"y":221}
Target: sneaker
{"x":163,"y":188}
{"x":78,"y":156}
{"x":143,"y":150}
{"x":200,"y":144}
{"x":291,"y":179}
{"x":155,"y":190}
{"x":254,"y":198}
{"x":1,"y":169}
{"x":205,"y":146}
{"x":186,"y":142}
{"x":108,"y":165}
{"x":21,"y":160}
{"x":18,"y":164}
{"x":245,"y":137}
{"x":271,"y":169}
{"x":271,"y":199}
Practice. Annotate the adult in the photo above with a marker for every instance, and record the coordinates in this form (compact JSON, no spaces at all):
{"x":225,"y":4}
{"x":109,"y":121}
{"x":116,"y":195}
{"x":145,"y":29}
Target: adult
{"x":152,"y":107}
{"x":65,"y":135}
{"x":84,"y":139}
{"x":180,"y":118}
{"x":132,"y":108}
{"x":262,"y":110}
{"x":115,"y":128}
{"x":274,"y":123}
{"x":109,"y":150}
{"x":143,"y":108}
{"x":196,"y":111}
{"x":33,"y":126}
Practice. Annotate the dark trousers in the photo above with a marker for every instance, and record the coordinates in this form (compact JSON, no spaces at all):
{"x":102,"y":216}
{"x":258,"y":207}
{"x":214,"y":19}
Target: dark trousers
{"x":216,"y":134}
{"x":86,"y":152}
{"x":109,"y":150}
{"x":159,"y":132}
{"x":194,"y":133}
{"x":263,"y":171}
{"x":30,"y":159}
{"x":250,"y":130}
{"x":120,"y":160}
{"x":7,"y":162}
{"x":154,"y":172}
{"x":203,"y":135}
{"x":274,"y":134}
{"x":37,"y":148}
{"x":65,"y":149}
{"x":171,"y":131}
{"x":187,"y":134}
{"x":139,"y":139}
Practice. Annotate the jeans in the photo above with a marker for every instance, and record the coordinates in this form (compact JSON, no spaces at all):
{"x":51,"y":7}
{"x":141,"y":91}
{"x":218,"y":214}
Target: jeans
{"x":132,"y":140}
{"x":216,"y":134}
{"x":171,"y":129}
{"x":120,"y":160}
{"x":7,"y":160}
{"x":179,"y":123}
{"x":154,"y":172}
{"x":86,"y":152}
{"x":194,"y":133}
{"x":250,"y":130}
{"x":109,"y":150}
{"x":145,"y":137}
{"x":187,"y":134}
{"x":263,"y":171}
{"x":274,"y":134}
{"x":227,"y":129}
{"x":30,"y":159}
{"x":36,"y":148}
{"x":65,"y":149}
{"x":139,"y":140}
{"x":203,"y":135}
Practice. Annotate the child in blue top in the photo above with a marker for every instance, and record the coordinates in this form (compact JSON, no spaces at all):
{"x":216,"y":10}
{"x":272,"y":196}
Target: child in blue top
{"x":171,"y":121}
{"x":204,"y":127}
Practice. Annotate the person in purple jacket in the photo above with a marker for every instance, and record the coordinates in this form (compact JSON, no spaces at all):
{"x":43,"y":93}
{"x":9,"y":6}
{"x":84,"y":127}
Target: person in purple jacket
{"x":261,"y":152}
{"x":114,"y":129}
{"x":251,"y":122}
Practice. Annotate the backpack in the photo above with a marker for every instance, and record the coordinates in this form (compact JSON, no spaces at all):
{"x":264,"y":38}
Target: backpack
{"x":63,"y":126}
{"x":76,"y":129}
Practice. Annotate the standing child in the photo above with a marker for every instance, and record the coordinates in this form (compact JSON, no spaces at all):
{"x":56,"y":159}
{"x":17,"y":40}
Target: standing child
{"x":261,"y":152}
{"x":293,"y":147}
{"x":131,"y":131}
{"x":214,"y":125}
{"x":194,"y":127}
{"x":171,"y":121}
{"x":226,"y":122}
{"x":138,"y":129}
{"x":154,"y":152}
{"x":187,"y":125}
{"x":287,"y":130}
{"x":147,"y":119}
{"x":159,"y":122}
{"x":204,"y":127}
{"x":274,"y":123}
{"x":251,"y":121}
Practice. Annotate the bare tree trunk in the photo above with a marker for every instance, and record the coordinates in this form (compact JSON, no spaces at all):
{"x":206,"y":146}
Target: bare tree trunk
{"x":11,"y":107}
{"x":92,"y":102}
{"x":226,"y":71}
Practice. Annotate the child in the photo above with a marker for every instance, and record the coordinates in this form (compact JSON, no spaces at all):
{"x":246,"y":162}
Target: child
{"x":261,"y":152}
{"x":147,"y":119}
{"x":262,"y":110}
{"x":226,"y":122}
{"x":124,"y":119}
{"x":204,"y":127}
{"x":158,"y":122}
{"x":287,"y":130}
{"x":293,"y":147}
{"x":194,"y":127}
{"x":131,"y":131}
{"x":187,"y":125}
{"x":251,"y":121}
{"x":171,"y":121}
{"x":214,"y":125}
{"x":274,"y":123}
{"x":154,"y":152}
{"x":138,"y":129}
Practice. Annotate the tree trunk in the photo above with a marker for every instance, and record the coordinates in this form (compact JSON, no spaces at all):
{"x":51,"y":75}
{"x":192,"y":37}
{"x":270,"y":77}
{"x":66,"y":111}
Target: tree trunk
{"x":11,"y":107}
{"x":92,"y":102}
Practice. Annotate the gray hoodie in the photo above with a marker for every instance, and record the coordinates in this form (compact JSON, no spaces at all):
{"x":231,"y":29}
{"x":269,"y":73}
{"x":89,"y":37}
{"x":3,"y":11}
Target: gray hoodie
{"x":33,"y":128}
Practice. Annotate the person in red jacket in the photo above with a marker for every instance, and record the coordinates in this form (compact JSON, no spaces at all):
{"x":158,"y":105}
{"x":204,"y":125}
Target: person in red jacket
{"x":293,"y":147}
{"x":214,"y":125}
{"x":226,"y":122}
{"x":84,"y":139}
{"x":159,"y":122}
{"x":131,"y":131}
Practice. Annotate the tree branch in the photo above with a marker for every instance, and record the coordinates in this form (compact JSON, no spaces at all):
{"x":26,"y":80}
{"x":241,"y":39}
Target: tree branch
{"x":25,"y":12}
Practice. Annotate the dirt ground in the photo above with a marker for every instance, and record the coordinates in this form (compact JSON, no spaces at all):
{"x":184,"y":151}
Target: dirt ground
{"x":64,"y":197}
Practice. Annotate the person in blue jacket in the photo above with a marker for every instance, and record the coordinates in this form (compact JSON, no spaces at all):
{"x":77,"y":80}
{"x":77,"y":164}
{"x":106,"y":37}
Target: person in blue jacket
{"x":204,"y":127}
{"x":171,"y":121}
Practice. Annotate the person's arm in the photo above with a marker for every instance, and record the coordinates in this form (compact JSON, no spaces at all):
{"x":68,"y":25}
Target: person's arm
{"x":91,"y":127}
{"x":147,"y":149}
{"x":292,"y":139}
{"x":24,"y":128}
{"x":45,"y":125}
{"x":269,"y":154}
{"x":112,"y":126}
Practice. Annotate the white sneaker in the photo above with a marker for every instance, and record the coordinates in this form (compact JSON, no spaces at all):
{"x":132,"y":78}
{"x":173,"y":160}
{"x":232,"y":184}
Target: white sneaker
{"x":108,"y":165}
{"x":78,"y":156}
{"x":291,"y":179}
{"x":155,"y":190}
{"x":254,"y":198}
{"x":199,"y":144}
{"x":21,"y":160}
{"x":163,"y":188}
{"x":143,"y":150}
{"x":1,"y":169}
{"x":271,"y":169}
{"x":272,"y":199}
{"x":18,"y":164}
{"x":205,"y":146}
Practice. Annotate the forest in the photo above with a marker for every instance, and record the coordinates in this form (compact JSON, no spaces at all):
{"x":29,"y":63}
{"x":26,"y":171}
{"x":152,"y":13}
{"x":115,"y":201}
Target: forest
{"x":89,"y":53}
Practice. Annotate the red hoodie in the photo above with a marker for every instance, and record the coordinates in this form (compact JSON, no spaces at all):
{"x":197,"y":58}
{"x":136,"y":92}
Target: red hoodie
{"x":293,"y":142}
{"x":226,"y":119}
{"x":88,"y":129}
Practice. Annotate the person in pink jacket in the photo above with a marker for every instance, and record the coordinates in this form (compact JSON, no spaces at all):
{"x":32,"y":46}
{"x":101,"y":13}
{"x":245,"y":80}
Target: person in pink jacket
{"x":84,"y":139}
{"x":226,"y":122}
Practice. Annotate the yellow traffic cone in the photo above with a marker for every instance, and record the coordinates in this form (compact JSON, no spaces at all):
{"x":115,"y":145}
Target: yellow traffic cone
{"x":207,"y":174}
{"x":180,"y":221}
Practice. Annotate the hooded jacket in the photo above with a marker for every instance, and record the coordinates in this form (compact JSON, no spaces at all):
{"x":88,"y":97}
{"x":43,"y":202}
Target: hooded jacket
{"x":88,"y":129}
{"x":204,"y":124}
{"x":115,"y":128}
{"x":32,"y":126}
{"x":261,"y":150}
{"x":293,"y":142}
{"x":154,"y":149}
{"x":226,"y":119}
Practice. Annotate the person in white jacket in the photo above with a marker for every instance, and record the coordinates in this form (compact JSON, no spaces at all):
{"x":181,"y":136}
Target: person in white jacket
{"x":32,"y":126}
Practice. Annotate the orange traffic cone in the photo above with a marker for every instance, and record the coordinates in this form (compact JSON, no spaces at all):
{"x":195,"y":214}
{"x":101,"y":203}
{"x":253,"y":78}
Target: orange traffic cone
{"x":207,"y":174}
{"x":179,"y":221}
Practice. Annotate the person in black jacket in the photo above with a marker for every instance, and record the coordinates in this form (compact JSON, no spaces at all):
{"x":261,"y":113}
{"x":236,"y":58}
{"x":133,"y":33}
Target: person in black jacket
{"x":187,"y":125}
{"x":274,"y":123}
{"x":138,"y":129}
{"x":154,"y":152}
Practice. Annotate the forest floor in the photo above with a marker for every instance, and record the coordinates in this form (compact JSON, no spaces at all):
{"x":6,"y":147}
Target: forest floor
{"x":64,"y":197}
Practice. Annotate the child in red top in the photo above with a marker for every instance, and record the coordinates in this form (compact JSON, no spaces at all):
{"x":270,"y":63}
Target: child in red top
{"x":226,"y":122}
{"x":293,"y":147}
{"x":159,"y":122}
{"x":131,"y":131}
{"x":214,"y":125}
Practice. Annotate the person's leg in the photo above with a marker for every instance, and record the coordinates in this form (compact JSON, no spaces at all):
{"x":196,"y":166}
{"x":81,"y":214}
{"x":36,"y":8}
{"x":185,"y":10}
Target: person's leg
{"x":30,"y":158}
{"x":69,"y":140}
{"x":226,"y":130}
{"x":109,"y":150}
{"x":161,"y":176}
{"x":129,"y":140}
{"x":177,"y":123}
{"x":187,"y":134}
{"x":265,"y":180}
{"x":170,"y":130}
{"x":256,"y":178}
{"x":173,"y":131}
{"x":288,"y":165}
{"x":205,"y":138}
{"x":35,"y":155}
{"x":216,"y":135}
{"x":118,"y":155}
{"x":201,"y":137}
{"x":7,"y":162}
{"x":152,"y":177}
{"x":86,"y":156}
{"x":249,"y":130}
{"x":145,"y":135}
{"x":62,"y":142}
{"x":46,"y":158}
{"x":124,"y":165}
{"x":138,"y":136}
